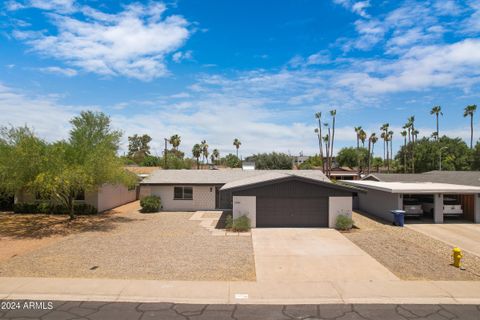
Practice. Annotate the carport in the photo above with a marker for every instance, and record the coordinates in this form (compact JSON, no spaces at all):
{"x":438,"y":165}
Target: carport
{"x":381,"y":197}
{"x":284,"y":200}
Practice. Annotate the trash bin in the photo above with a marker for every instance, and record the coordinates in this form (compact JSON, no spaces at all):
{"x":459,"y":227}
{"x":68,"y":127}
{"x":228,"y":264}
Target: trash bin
{"x":398,"y":217}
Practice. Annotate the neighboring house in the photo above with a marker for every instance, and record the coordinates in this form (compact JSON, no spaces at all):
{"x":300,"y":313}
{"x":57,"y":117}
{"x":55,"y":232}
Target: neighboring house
{"x":344,"y":173}
{"x":298,"y":160}
{"x":106,"y":197}
{"x":270,"y":198}
{"x":387,"y":192}
{"x":142,"y":172}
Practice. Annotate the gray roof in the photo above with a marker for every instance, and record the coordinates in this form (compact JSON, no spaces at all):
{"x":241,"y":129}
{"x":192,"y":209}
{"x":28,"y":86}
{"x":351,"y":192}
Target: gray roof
{"x":276,"y":175}
{"x":469,"y":178}
{"x":222,"y":176}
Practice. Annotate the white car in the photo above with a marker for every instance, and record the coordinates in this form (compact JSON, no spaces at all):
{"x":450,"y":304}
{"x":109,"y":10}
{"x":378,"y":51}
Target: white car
{"x":451,"y":207}
{"x":412,"y":207}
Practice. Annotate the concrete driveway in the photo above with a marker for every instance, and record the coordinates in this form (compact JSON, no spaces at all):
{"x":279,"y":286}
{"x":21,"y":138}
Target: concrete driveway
{"x":466,"y":236}
{"x":310,"y":255}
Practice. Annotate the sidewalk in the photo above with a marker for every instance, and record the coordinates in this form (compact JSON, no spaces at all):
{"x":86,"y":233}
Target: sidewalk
{"x":206,"y":292}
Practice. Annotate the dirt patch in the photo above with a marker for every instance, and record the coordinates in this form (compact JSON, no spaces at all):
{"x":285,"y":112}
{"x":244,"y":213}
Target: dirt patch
{"x":23,"y":233}
{"x":163,"y":246}
{"x":409,"y":254}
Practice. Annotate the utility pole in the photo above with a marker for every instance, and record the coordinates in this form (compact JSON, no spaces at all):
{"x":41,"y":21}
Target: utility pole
{"x":165,"y":154}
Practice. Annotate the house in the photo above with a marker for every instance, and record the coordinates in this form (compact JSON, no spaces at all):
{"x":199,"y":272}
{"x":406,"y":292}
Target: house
{"x":105,"y":198}
{"x":344,"y":173}
{"x":387,"y":192}
{"x":270,"y":198}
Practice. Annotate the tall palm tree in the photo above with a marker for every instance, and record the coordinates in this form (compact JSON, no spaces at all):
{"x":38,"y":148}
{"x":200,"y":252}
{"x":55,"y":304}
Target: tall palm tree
{"x":371,"y":144}
{"x":362,"y":135}
{"x":357,"y":131}
{"x":333,"y":113}
{"x":205,"y":152}
{"x":468,"y":112}
{"x":197,"y":152}
{"x":318,"y":131}
{"x":175,"y":141}
{"x":404,"y":135}
{"x":326,"y":140}
{"x":384,"y":130}
{"x":237,"y":144}
{"x":390,"y":139}
{"x":437,"y":111}
{"x":413,"y":133}
{"x":215,"y":155}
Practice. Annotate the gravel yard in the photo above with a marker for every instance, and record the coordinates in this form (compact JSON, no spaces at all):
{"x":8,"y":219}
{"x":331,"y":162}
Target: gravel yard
{"x":165,"y":246}
{"x":409,"y":254}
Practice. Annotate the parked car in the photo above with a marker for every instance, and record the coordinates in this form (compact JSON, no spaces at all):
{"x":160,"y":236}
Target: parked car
{"x":451,"y":207}
{"x":412,"y":207}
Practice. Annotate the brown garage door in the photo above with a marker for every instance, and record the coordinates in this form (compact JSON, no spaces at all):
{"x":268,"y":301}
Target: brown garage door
{"x":292,"y":212}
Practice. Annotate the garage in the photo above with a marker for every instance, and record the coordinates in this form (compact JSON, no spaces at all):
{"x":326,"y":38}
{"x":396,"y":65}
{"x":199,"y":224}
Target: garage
{"x":292,"y":212}
{"x":280,"y":200}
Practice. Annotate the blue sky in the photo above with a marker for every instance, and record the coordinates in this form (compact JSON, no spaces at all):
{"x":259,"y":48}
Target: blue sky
{"x":253,"y":70}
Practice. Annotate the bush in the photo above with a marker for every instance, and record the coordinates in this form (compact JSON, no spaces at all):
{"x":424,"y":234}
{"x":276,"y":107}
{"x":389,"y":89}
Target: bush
{"x":150,"y":204}
{"x":229,"y":222}
{"x":48,"y":208}
{"x":343,"y":222}
{"x":241,"y":224}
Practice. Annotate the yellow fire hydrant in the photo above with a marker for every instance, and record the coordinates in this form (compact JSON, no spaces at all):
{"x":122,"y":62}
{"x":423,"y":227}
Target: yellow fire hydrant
{"x":457,"y":257}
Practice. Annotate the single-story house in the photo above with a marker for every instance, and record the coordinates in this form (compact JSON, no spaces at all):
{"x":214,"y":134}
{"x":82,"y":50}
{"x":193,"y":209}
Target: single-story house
{"x":270,"y":198}
{"x":386,"y":192}
{"x":105,"y":198}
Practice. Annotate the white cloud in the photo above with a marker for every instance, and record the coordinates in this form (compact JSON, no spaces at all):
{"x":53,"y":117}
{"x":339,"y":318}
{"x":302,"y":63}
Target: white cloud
{"x":132,"y":43}
{"x":358,"y":7}
{"x":180,"y":56}
{"x":54,"y":5}
{"x":61,"y":71}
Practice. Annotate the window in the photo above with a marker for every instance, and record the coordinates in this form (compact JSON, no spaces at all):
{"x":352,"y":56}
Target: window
{"x":80,"y":196}
{"x":182,"y":193}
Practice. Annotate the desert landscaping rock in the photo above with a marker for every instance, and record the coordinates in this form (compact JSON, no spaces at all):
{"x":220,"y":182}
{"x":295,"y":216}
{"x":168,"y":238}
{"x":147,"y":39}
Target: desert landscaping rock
{"x":409,"y":254}
{"x":161,"y":246}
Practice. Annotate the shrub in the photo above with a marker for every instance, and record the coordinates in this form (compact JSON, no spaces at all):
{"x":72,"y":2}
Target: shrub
{"x":241,"y":224}
{"x":343,"y":222}
{"x":49,"y":208}
{"x":150,"y":204}
{"x":229,"y":222}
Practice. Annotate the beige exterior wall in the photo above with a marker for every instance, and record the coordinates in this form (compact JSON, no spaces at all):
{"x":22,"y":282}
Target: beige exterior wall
{"x":245,"y":205}
{"x":338,"y":206}
{"x":110,"y":196}
{"x":203,"y":197}
{"x":379,"y":203}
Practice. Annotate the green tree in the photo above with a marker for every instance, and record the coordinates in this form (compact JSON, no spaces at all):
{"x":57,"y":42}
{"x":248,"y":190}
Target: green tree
{"x":83,"y":163}
{"x":476,"y":157}
{"x":455,"y":154}
{"x":351,"y":157}
{"x":377,"y":163}
{"x":231,"y":161}
{"x":437,"y":111}
{"x":271,"y":161}
{"x":22,"y":157}
{"x":469,"y":112}
{"x":175,"y":141}
{"x":237,"y":144}
{"x":151,"y":161}
{"x":311,"y":163}
{"x":138,"y":147}
{"x":215,"y":155}
{"x":197,"y":152}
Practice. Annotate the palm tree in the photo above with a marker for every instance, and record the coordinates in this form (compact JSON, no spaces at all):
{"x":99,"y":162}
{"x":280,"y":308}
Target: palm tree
{"x":205,"y":152}
{"x":318,"y":131}
{"x":390,"y":138}
{"x":326,"y":140}
{"x":404,"y":135}
{"x":215,"y":155}
{"x":412,"y":133}
{"x":237,"y":144}
{"x":357,"y":131}
{"x":362,"y":135}
{"x":197,"y":152}
{"x":437,"y":111}
{"x":333,"y":113}
{"x":384,"y":129}
{"x":468,"y":112}
{"x":371,"y":144}
{"x":175,"y":141}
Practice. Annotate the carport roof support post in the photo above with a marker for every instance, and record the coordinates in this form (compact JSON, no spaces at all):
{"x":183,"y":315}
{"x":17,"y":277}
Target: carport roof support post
{"x":438,"y":208}
{"x":477,"y":208}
